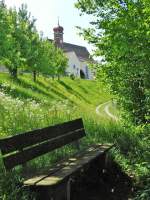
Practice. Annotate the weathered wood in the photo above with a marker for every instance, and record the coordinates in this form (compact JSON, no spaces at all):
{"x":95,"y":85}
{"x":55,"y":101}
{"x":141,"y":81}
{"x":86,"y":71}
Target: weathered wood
{"x":14,"y":143}
{"x":76,"y":144}
{"x":11,"y":161}
{"x":73,"y":167}
{"x":69,"y":167}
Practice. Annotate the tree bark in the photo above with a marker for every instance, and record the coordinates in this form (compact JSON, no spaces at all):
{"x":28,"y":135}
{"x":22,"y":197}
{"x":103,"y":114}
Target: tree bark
{"x":14,"y":72}
{"x":34,"y":76}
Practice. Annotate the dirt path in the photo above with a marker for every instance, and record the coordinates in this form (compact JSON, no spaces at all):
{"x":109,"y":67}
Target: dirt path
{"x":104,"y":107}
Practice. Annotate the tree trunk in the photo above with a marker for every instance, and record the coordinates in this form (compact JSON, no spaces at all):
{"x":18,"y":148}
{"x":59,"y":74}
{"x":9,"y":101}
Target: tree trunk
{"x":34,"y":76}
{"x":14,"y":73}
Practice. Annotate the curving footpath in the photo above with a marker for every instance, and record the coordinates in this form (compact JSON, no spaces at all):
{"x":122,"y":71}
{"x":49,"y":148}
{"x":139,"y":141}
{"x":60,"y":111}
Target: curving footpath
{"x":106,"y":110}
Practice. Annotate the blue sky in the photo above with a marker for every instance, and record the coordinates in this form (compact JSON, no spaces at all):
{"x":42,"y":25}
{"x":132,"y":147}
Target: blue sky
{"x":47,"y":11}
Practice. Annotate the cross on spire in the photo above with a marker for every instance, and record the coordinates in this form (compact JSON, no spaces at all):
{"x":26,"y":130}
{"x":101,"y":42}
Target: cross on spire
{"x":58,"y":21}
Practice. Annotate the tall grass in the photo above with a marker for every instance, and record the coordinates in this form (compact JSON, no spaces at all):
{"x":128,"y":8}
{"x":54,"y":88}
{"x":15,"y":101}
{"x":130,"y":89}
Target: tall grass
{"x":17,"y":116}
{"x":69,"y":100}
{"x":77,"y":91}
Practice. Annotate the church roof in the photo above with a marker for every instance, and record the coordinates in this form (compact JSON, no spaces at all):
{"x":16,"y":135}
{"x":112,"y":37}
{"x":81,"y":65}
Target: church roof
{"x":81,"y":52}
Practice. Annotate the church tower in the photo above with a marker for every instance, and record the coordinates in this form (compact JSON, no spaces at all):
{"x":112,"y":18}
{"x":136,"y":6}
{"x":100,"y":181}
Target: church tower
{"x":58,"y":35}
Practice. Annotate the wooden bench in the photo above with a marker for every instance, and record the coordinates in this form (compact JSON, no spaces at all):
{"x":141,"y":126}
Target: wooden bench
{"x":53,"y":183}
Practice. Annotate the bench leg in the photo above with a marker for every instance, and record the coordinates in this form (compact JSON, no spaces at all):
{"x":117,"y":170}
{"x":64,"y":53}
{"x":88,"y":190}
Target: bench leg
{"x":44,"y":194}
{"x":60,"y":192}
{"x":69,"y":188}
{"x":63,"y":191}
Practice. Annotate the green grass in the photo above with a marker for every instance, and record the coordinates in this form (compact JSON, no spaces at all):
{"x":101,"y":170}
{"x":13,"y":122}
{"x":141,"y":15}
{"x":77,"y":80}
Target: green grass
{"x":113,"y":108}
{"x":25,"y":105}
{"x":33,"y":105}
{"x":77,"y":91}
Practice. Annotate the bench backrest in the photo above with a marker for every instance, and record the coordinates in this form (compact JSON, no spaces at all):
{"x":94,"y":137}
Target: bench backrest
{"x":21,"y":148}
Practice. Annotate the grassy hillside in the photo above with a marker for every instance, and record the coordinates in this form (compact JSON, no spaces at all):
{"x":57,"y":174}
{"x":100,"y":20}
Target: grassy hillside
{"x":76,"y":91}
{"x":26,"y":105}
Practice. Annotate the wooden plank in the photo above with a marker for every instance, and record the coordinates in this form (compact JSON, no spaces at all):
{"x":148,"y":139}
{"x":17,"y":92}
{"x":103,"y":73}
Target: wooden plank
{"x":21,"y":141}
{"x":72,"y":165}
{"x":28,"y":154}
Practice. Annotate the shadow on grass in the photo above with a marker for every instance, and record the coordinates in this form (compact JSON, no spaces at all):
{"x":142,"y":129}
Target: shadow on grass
{"x":83,"y":89}
{"x":33,"y":87}
{"x":77,"y":94}
{"x":40,"y":83}
{"x":16,"y":93}
{"x":57,"y":91}
{"x":59,"y":94}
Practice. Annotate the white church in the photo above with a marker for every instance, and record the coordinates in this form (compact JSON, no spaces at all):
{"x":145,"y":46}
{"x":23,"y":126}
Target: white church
{"x":78,"y":56}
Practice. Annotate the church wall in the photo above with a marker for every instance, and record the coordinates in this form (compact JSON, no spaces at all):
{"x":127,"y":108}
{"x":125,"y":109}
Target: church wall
{"x":73,"y":64}
{"x":3,"y":69}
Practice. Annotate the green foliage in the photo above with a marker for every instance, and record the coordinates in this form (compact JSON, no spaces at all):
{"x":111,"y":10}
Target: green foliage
{"x":23,"y":48}
{"x":7,"y":42}
{"x":72,"y":76}
{"x":61,"y":63}
{"x":121,"y":33}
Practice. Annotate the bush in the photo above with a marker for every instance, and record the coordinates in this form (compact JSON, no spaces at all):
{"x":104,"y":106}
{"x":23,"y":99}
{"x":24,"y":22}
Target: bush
{"x":72,"y":76}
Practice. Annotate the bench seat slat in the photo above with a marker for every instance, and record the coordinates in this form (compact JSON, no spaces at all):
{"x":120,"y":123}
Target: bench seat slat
{"x":17,"y":142}
{"x":28,"y":154}
{"x":72,"y":165}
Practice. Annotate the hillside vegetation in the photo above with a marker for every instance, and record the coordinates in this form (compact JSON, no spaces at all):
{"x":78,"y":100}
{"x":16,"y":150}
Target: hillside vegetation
{"x":25,"y":102}
{"x":27,"y":105}
{"x":77,"y":91}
